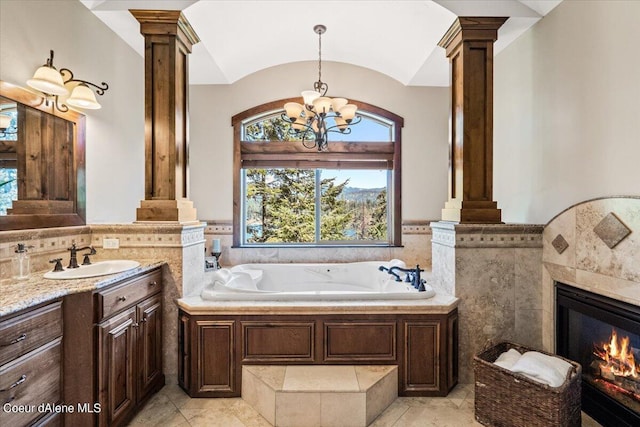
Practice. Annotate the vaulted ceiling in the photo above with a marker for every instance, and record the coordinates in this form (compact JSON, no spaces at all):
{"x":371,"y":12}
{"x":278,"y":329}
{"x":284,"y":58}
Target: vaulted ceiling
{"x":395,"y":37}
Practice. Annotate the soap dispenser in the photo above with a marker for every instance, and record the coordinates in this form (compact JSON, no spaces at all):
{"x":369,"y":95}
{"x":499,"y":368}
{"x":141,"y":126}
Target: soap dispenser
{"x":21,"y":262}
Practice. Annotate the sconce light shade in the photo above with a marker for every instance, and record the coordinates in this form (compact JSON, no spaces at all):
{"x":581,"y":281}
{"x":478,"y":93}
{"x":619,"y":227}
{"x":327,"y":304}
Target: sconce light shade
{"x":5,"y":121}
{"x":48,"y":80}
{"x":83,"y":97}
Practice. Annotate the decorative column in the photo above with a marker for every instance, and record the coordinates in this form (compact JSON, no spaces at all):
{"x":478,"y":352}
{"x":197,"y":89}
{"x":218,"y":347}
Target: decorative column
{"x":168,"y":40}
{"x":469,"y":46}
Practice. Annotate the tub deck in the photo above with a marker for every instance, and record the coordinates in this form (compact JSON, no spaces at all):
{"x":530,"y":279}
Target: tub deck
{"x":438,"y":304}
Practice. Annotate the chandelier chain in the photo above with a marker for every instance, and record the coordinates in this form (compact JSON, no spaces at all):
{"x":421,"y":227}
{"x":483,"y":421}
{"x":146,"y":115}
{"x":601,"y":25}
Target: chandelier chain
{"x":320,"y":57}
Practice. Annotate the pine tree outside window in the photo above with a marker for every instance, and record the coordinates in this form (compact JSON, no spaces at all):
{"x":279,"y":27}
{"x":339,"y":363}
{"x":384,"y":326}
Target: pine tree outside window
{"x":285,"y":194}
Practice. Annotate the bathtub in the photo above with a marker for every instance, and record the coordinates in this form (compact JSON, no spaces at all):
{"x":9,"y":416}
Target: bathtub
{"x":332,"y":281}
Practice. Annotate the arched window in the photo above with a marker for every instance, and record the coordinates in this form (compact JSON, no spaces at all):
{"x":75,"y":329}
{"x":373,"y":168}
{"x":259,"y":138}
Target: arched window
{"x":287,"y":194}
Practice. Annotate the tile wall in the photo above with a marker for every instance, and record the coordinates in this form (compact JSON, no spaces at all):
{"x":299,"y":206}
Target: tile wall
{"x":594,"y":245}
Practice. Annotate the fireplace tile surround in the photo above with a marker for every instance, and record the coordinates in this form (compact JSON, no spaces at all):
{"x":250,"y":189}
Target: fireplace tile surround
{"x":588,"y":263}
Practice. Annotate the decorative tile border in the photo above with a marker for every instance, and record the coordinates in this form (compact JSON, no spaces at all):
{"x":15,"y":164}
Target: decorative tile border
{"x":221,"y":227}
{"x":486,"y":235}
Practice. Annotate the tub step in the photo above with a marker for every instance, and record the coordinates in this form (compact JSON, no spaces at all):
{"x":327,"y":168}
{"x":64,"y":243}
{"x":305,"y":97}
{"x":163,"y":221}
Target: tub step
{"x":324,"y":396}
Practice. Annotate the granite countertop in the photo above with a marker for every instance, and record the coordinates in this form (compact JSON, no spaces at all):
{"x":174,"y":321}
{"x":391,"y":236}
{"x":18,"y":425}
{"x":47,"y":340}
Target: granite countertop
{"x":16,"y":295}
{"x":439,"y":304}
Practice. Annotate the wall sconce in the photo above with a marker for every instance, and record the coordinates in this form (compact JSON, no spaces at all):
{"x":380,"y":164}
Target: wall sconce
{"x":52,"y":83}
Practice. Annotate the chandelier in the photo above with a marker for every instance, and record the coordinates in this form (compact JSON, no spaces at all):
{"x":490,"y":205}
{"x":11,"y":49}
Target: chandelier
{"x":319,"y":114}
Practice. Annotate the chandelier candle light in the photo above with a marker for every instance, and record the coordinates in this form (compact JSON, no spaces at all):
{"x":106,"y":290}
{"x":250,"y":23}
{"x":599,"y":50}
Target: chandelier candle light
{"x":314,"y":115}
{"x":52,"y":83}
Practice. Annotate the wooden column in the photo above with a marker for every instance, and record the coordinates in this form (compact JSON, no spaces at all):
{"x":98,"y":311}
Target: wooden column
{"x":168,"y":40}
{"x":469,"y":46}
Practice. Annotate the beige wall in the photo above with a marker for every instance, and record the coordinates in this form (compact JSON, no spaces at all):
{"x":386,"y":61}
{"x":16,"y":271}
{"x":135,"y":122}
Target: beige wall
{"x":115,"y":133}
{"x":424,"y":136}
{"x":567,"y":117}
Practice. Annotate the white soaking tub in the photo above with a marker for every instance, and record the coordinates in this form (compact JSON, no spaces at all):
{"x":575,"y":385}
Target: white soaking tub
{"x":302,"y":282}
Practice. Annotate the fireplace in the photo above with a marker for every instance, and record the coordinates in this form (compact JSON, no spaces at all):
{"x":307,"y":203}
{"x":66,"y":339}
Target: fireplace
{"x":603,"y":335}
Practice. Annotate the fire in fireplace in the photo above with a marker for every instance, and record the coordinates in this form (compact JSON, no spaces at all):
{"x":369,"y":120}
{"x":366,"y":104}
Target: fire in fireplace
{"x":603,"y":335}
{"x":614,"y":370}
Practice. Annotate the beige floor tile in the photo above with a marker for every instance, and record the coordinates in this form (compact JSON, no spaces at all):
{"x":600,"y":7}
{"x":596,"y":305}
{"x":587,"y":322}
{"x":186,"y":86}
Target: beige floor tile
{"x":175,"y":394}
{"x":211,"y":418}
{"x":158,"y":411}
{"x":219,"y":404}
{"x":391,"y":415}
{"x":249,"y":416}
{"x":436,"y":417}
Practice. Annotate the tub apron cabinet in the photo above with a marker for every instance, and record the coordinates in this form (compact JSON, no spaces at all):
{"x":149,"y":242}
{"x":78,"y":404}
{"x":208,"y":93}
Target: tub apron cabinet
{"x":113,"y":348}
{"x":213,"y":348}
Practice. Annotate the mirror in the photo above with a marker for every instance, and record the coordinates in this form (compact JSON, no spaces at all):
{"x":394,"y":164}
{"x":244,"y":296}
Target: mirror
{"x":44,"y":163}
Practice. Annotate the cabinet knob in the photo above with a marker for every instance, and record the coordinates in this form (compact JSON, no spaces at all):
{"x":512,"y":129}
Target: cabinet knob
{"x":135,"y":324}
{"x":153,"y":283}
{"x":123,"y":298}
{"x":144,"y":319}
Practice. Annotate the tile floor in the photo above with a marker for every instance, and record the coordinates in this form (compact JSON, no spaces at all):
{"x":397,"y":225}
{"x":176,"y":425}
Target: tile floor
{"x":171,"y":407}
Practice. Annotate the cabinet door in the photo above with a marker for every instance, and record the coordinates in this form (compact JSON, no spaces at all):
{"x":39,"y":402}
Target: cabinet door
{"x":215,"y":371}
{"x":149,"y":369}
{"x":116,"y":360}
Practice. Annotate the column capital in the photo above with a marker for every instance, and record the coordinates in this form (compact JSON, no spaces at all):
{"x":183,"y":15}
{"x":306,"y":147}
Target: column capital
{"x":471,"y":28}
{"x":166,"y":23}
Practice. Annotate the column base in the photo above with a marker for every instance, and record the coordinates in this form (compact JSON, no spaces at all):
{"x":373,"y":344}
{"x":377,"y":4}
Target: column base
{"x":472,"y":212}
{"x":167,"y":210}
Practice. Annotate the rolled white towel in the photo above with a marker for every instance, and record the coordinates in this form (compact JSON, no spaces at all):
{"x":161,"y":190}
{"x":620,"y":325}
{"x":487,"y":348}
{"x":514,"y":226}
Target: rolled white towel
{"x":241,"y":281}
{"x":507,"y":359}
{"x":397,"y":263}
{"x":542,"y":368}
{"x":221,"y":276}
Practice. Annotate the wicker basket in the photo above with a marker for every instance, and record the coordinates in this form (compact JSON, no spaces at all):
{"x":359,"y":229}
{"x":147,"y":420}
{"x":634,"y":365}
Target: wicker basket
{"x":505,"y":398}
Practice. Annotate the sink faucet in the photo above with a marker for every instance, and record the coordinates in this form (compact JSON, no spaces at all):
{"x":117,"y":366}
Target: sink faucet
{"x":73,"y":260}
{"x":412,"y":275}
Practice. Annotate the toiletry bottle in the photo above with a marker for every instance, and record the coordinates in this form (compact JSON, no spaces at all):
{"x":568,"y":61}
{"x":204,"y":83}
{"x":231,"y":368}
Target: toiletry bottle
{"x":21,"y":262}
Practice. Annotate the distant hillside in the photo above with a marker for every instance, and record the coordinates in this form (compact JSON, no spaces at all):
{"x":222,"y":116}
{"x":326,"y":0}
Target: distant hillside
{"x":360,"y":194}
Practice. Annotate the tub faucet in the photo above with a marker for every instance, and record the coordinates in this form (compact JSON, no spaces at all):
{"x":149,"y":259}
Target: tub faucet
{"x":73,"y":260}
{"x":388,"y":270}
{"x":412,"y":276}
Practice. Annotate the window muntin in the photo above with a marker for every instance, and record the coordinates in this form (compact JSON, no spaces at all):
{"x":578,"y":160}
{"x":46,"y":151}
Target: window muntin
{"x":374,"y":148}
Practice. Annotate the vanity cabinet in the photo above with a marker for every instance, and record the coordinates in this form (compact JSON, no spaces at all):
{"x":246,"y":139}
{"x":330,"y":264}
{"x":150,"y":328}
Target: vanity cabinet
{"x":113,"y":342}
{"x":31,"y":365}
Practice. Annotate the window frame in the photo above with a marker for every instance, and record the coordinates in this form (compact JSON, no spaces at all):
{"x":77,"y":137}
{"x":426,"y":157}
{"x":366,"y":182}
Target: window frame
{"x":340,"y":154}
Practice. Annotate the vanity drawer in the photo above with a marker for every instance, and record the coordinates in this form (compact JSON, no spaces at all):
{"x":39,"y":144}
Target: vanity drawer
{"x":29,"y":381}
{"x":23,"y":333}
{"x":112,"y":300}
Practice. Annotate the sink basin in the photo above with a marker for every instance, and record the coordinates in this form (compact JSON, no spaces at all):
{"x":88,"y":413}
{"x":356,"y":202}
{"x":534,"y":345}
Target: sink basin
{"x":100,"y":268}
